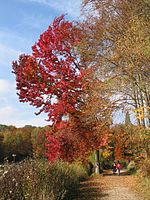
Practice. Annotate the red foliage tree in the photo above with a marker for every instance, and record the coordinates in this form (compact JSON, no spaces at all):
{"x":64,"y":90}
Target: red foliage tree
{"x":75,"y":140}
{"x":50,"y":79}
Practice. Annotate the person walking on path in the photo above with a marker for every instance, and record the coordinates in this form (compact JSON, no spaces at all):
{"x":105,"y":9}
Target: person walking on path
{"x":114,"y":167}
{"x":118,"y":167}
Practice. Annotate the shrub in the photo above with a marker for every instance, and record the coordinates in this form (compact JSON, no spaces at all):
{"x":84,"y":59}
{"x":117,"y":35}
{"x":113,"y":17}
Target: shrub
{"x":34,"y":179}
{"x":131,"y":167}
{"x":145,"y":168}
{"x":20,"y":181}
{"x":123,"y":163}
{"x":144,"y":177}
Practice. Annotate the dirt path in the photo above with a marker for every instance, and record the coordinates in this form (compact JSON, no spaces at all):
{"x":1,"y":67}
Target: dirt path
{"x":109,"y":187}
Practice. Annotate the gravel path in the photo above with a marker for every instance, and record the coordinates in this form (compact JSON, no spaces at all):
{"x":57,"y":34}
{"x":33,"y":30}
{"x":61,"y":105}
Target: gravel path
{"x":109,"y":187}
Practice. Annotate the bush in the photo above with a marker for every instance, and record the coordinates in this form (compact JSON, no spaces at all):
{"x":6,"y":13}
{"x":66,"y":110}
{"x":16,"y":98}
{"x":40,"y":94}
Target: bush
{"x":131,"y":167}
{"x":145,"y":183}
{"x":34,"y":179}
{"x":20,"y":181}
{"x":145,"y":168}
{"x":123,"y":163}
{"x":144,"y":177}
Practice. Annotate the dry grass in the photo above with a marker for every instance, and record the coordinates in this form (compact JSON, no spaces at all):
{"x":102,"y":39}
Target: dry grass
{"x":34,"y":179}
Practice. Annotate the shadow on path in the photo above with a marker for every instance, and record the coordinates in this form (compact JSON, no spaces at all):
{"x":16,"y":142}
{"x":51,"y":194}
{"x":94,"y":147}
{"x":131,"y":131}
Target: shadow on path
{"x":106,"y":187}
{"x":89,"y":190}
{"x":110,"y":173}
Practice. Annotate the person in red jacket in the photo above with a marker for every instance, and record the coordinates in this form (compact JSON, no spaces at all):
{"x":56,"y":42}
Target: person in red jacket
{"x":118,"y":167}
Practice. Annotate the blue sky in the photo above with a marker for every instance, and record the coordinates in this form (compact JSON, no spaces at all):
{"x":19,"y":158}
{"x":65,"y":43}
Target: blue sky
{"x":21,"y":23}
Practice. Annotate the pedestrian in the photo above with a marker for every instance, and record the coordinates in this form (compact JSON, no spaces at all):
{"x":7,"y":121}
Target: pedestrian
{"x":114,"y":167}
{"x":118,"y":167}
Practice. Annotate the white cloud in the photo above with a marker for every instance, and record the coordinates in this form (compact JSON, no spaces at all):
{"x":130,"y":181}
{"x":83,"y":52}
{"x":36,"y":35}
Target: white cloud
{"x":6,"y":86}
{"x":35,"y":22}
{"x":9,"y":37}
{"x":12,"y":112}
{"x":71,"y":7}
{"x":6,"y":113}
{"x":8,"y":50}
{"x":35,"y":121}
{"x":11,"y":46}
{"x":7,"y":54}
{"x":12,"y":116}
